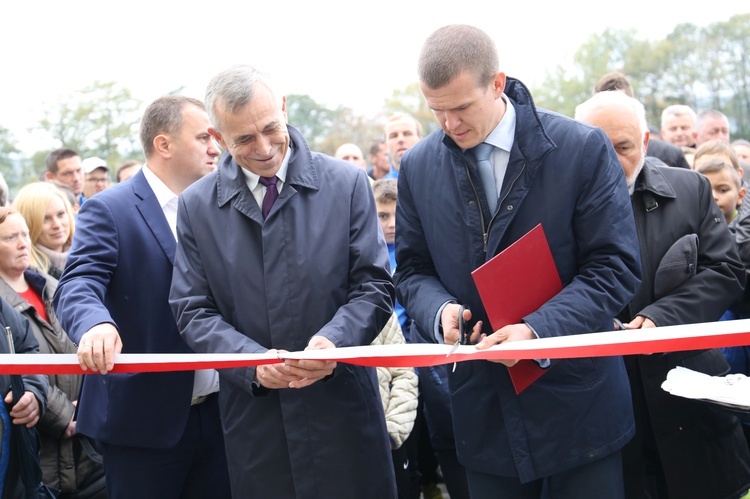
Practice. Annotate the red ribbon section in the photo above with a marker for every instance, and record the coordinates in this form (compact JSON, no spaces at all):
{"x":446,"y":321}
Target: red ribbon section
{"x":612,"y":343}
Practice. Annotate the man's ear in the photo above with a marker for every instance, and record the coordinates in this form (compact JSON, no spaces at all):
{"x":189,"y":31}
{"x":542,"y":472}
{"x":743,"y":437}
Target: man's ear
{"x":498,"y":84}
{"x":218,"y":137}
{"x":162,"y":146}
{"x":48,"y":176}
{"x":283,"y":109}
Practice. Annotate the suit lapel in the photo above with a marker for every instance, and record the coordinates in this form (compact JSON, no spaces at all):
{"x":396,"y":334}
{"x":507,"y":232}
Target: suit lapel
{"x":153,"y":215}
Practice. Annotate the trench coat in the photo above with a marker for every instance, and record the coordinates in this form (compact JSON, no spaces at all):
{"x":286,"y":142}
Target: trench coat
{"x":702,"y":451}
{"x":566,"y":176}
{"x":318,"y":265}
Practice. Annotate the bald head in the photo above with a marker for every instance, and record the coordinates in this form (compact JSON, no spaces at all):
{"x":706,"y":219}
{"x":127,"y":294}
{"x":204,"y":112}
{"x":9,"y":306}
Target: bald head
{"x":352,"y":154}
{"x":623,"y":119}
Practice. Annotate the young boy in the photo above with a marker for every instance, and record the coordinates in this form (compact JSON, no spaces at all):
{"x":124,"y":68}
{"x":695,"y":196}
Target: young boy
{"x":726,"y":185}
{"x":398,"y":386}
{"x":386,"y":195}
{"x":728,"y":191}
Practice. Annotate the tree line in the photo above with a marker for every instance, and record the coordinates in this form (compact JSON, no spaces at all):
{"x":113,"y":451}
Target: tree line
{"x":703,"y":67}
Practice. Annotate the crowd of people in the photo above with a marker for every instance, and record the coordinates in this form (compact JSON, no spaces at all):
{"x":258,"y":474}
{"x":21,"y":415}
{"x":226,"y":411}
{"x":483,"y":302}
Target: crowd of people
{"x":232,"y":236}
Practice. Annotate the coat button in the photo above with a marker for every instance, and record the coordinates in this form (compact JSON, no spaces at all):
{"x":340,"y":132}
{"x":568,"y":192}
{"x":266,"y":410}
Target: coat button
{"x":509,"y":207}
{"x":471,"y":203}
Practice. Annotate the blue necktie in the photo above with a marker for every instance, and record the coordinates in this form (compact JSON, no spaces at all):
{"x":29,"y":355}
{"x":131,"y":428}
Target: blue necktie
{"x":271,"y":194}
{"x":482,"y":153}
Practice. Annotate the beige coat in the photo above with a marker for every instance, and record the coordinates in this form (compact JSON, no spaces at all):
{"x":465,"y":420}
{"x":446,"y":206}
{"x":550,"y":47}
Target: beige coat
{"x":398,"y":388}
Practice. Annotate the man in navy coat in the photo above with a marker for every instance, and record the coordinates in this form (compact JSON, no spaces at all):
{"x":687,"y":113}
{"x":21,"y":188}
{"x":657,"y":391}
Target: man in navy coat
{"x":282,"y":250}
{"x":564,"y":432}
{"x":160,"y":433}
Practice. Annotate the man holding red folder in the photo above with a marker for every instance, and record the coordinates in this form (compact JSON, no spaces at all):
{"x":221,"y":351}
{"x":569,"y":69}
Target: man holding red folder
{"x":457,"y":209}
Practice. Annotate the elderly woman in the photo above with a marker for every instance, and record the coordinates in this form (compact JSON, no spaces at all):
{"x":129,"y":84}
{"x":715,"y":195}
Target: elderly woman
{"x":30,"y":292}
{"x":51,"y":225}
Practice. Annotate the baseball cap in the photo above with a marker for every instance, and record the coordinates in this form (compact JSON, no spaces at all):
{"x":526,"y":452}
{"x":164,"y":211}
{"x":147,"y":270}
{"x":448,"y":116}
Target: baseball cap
{"x":92,"y":163}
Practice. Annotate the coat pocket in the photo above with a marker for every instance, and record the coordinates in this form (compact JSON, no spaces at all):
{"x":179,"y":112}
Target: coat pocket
{"x":677,"y":265}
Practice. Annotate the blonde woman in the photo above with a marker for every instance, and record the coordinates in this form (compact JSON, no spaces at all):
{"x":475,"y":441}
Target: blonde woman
{"x":51,"y":225}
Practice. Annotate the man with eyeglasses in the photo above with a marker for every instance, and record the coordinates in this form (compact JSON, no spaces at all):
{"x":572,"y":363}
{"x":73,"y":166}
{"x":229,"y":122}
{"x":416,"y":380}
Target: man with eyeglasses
{"x":97,"y":176}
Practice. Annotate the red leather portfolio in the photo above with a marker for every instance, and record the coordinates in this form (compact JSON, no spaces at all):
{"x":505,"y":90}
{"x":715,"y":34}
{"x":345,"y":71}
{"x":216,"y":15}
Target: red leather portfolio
{"x":515,"y":283}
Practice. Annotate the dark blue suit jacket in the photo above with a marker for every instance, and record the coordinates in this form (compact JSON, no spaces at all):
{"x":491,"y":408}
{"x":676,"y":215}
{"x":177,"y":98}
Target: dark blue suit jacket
{"x":119,"y":270}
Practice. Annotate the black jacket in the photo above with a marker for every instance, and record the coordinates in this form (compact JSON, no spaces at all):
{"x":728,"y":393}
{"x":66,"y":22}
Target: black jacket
{"x":670,"y":154}
{"x":24,"y":342}
{"x":703,"y":451}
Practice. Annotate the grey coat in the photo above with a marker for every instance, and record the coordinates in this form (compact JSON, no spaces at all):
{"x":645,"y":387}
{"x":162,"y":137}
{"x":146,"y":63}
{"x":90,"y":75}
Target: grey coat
{"x":318,"y":265}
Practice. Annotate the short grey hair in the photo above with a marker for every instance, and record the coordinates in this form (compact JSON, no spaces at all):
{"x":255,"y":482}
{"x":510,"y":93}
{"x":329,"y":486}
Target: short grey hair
{"x":678,"y":110}
{"x":606,"y":99}
{"x":456,"y":48}
{"x":709,"y":113}
{"x":232,"y":89}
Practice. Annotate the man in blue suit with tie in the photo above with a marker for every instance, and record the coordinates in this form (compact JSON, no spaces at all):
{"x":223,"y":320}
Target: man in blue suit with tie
{"x":160,"y":433}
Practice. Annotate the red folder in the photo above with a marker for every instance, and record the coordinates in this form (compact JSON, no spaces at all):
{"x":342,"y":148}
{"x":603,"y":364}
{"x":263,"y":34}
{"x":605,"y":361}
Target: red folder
{"x":515,"y":283}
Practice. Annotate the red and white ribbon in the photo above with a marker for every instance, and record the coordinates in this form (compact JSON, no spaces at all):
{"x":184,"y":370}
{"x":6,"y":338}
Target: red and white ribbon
{"x":611,"y":343}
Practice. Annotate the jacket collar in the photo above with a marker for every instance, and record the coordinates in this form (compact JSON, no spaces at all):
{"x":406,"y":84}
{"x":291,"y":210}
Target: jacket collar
{"x":301,"y":173}
{"x":153,"y":214}
{"x":38,"y":282}
{"x":652,"y":180}
{"x":531,"y":138}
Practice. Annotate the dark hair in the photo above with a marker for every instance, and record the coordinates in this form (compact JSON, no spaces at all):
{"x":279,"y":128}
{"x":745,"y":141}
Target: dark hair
{"x":375,"y":147}
{"x":614,"y":81}
{"x":456,"y":48}
{"x":124,"y":165}
{"x":164,"y":115}
{"x":58,"y":155}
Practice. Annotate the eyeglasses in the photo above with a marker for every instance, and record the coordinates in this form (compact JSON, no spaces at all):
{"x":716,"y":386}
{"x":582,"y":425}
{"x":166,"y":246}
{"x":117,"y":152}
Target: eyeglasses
{"x":98,"y":180}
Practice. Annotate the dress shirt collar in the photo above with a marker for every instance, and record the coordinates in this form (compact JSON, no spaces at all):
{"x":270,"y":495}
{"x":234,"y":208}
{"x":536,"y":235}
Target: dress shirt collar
{"x":504,"y":133}
{"x":251,"y":179}
{"x":163,"y":193}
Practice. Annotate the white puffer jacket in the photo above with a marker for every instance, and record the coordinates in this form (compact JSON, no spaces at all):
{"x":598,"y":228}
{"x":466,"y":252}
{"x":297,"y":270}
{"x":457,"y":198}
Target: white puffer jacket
{"x":398,"y":388}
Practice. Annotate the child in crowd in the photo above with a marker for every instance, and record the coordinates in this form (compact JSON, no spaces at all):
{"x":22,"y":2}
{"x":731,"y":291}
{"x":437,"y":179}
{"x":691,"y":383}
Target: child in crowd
{"x":726,"y":185}
{"x":398,"y":386}
{"x":728,"y":191}
{"x":386,"y":195}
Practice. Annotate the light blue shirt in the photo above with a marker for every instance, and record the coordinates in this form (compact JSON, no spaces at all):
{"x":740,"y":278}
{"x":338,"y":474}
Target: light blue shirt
{"x":502,"y":138}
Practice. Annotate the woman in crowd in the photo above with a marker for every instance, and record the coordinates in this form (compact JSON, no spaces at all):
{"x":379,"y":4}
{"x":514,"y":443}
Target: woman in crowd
{"x":66,"y":457}
{"x":51,"y":225}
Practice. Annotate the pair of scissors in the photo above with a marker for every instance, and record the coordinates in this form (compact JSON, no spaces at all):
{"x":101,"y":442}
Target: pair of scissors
{"x":464,"y":333}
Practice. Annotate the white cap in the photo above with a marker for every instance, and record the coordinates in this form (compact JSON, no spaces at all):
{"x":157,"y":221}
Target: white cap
{"x":91,"y":164}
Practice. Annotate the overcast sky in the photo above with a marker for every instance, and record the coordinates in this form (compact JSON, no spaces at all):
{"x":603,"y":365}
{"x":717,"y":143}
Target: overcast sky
{"x":350,"y":53}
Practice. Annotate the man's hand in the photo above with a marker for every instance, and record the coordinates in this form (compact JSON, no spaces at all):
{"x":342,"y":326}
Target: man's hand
{"x":639,"y":322}
{"x":310,"y":371}
{"x":97,"y":348}
{"x":274,"y":376}
{"x":25,"y":411}
{"x":449,"y":321}
{"x":511,"y":332}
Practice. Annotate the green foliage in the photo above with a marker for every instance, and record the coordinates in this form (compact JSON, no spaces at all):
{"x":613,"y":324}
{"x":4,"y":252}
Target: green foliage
{"x":100,"y":120}
{"x":410,"y":100}
{"x":703,"y":67}
{"x":16,"y":171}
{"x":312,"y":119}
